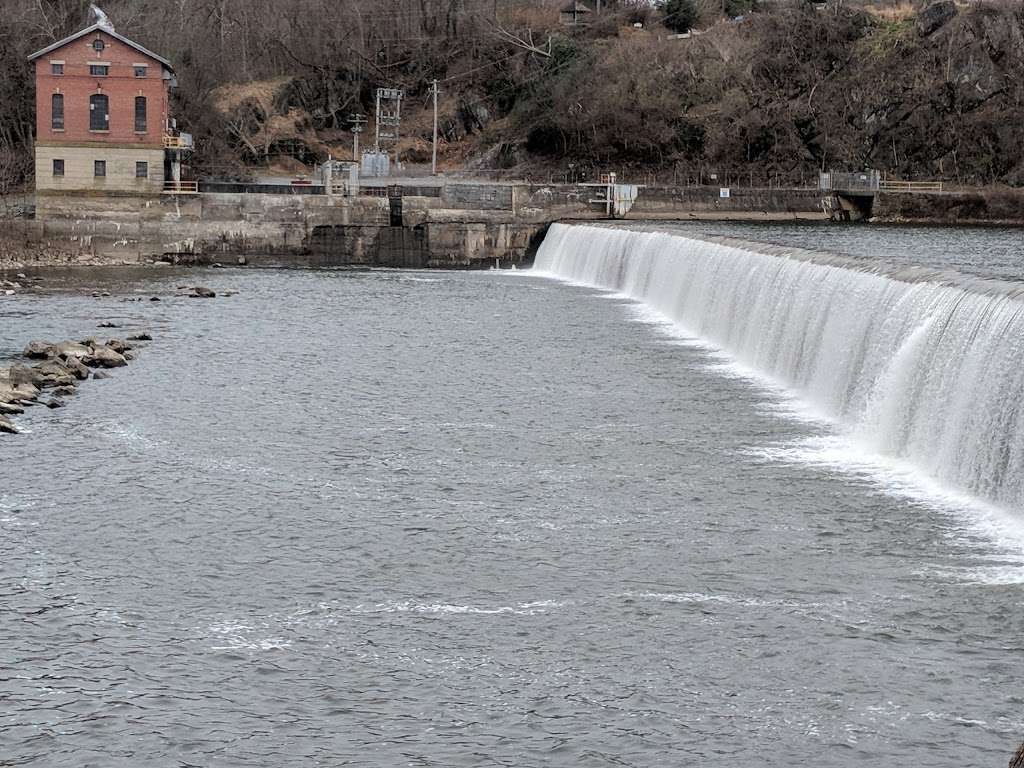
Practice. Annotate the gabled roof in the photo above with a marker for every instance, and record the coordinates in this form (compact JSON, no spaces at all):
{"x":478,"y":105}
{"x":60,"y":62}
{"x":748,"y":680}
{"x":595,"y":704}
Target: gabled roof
{"x":107,"y":31}
{"x":576,"y":7}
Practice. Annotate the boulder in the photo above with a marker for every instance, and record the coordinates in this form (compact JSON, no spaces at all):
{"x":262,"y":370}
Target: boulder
{"x":118,"y":345}
{"x":76,"y":367}
{"x":21,"y":376}
{"x":55,"y":402}
{"x":10,"y":409}
{"x":154,"y":298}
{"x":65,"y":392}
{"x":105,"y":357}
{"x":7,"y":426}
{"x":201,"y":292}
{"x":70,"y":350}
{"x":38,"y":350}
{"x":935,"y":15}
{"x":53,"y":373}
{"x":140,"y":337}
{"x":17,"y":385}
{"x":100,"y":375}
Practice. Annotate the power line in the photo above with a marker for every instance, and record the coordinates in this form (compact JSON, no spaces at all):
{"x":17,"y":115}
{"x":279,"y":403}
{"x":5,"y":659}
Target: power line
{"x":483,"y":66}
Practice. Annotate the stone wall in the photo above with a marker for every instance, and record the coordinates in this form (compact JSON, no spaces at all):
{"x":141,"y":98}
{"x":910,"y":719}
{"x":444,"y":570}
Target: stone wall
{"x":977,"y":206}
{"x":79,"y":169}
{"x":22,"y":245}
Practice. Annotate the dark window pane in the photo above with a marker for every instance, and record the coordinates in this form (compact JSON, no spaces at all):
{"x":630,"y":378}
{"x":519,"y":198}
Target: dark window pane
{"x":58,"y":69}
{"x":140,"y":114}
{"x":57,"y":112}
{"x":142,"y":170}
{"x":58,"y":167}
{"x":140,"y":71}
{"x":99,"y":70}
{"x":100,"y":167}
{"x":99,"y":112}
{"x":98,"y":46}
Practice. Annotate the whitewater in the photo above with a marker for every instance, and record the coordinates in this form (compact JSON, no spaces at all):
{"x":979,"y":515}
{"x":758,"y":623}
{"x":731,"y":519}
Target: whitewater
{"x":919,"y":366}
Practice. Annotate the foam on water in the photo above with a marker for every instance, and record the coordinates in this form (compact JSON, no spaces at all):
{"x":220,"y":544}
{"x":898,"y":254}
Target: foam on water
{"x":917,"y":371}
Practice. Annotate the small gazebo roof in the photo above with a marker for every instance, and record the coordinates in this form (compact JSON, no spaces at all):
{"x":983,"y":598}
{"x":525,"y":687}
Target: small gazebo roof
{"x":576,"y":7}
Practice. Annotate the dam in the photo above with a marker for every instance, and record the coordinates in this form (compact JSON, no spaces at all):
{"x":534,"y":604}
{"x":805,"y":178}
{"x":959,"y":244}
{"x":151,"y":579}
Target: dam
{"x":912,"y":363}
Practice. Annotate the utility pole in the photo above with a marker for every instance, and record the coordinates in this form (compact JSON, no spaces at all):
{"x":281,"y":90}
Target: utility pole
{"x":433,"y":160}
{"x":389,"y":115}
{"x":377,"y":122}
{"x":358,"y":122}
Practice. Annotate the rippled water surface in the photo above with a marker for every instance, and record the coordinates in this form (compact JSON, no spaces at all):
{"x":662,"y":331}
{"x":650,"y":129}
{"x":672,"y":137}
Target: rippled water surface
{"x":395,"y":518}
{"x":986,"y":251}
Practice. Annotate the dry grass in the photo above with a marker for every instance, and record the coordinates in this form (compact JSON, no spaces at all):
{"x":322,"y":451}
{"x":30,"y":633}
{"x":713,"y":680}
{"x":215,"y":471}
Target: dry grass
{"x":896,"y":12}
{"x":229,"y":96}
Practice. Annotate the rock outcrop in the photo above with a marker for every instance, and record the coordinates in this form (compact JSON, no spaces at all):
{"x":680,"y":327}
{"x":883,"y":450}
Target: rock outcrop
{"x":60,"y":368}
{"x":934,"y":16}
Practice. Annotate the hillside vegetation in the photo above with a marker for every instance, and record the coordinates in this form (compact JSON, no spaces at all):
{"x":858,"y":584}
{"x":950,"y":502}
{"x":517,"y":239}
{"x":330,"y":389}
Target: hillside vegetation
{"x":786,"y":89}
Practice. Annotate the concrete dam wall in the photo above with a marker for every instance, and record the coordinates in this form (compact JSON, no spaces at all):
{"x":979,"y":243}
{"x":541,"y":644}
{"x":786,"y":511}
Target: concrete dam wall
{"x":444,"y":225}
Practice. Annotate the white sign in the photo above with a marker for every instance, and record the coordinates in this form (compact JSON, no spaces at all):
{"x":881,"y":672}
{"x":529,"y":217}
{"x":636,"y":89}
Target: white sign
{"x":723,"y":192}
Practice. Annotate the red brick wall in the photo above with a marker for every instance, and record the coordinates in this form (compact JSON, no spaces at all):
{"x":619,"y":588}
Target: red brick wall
{"x":120,"y":86}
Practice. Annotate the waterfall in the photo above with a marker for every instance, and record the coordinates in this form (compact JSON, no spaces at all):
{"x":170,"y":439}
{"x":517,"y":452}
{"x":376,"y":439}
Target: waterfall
{"x":921,"y":366}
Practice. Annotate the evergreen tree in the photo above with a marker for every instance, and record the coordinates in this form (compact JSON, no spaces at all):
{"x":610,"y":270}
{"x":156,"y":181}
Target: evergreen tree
{"x":680,"y":15}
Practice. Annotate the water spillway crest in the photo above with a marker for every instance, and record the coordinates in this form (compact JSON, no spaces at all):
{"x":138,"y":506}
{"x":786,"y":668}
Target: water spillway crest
{"x":922,"y":368}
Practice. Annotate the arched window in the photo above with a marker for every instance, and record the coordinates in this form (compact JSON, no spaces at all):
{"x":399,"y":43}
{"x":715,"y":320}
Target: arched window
{"x":99,"y":112}
{"x":140,"y":114}
{"x":57,"y":112}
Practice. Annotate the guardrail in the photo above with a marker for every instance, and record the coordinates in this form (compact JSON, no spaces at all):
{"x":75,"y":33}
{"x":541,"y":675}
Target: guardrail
{"x":889,"y":185}
{"x":181,"y":187}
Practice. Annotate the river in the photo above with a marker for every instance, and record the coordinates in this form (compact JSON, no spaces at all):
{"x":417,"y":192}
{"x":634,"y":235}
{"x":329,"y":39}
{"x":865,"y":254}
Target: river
{"x":385,"y":518}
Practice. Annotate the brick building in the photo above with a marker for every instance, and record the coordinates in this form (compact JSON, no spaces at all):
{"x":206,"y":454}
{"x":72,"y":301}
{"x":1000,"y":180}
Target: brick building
{"x":102,"y":114}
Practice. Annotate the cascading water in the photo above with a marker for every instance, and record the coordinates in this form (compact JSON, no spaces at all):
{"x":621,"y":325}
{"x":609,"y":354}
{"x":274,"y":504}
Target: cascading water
{"x":920,"y":366}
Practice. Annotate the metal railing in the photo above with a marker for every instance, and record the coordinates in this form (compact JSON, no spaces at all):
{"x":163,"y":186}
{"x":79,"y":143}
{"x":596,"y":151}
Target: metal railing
{"x":890,"y":185}
{"x":871,"y":181}
{"x":838,"y":181}
{"x":177,"y":142}
{"x":181,"y":187}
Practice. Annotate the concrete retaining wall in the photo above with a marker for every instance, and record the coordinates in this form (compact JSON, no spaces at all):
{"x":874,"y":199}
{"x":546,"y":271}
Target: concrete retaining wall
{"x":707,"y":202}
{"x":982,"y":206}
{"x":280,"y":228}
{"x":467,"y":225}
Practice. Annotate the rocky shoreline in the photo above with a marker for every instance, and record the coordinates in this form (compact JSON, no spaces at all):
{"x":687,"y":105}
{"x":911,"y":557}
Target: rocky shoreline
{"x":48,"y":373}
{"x":59,"y":370}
